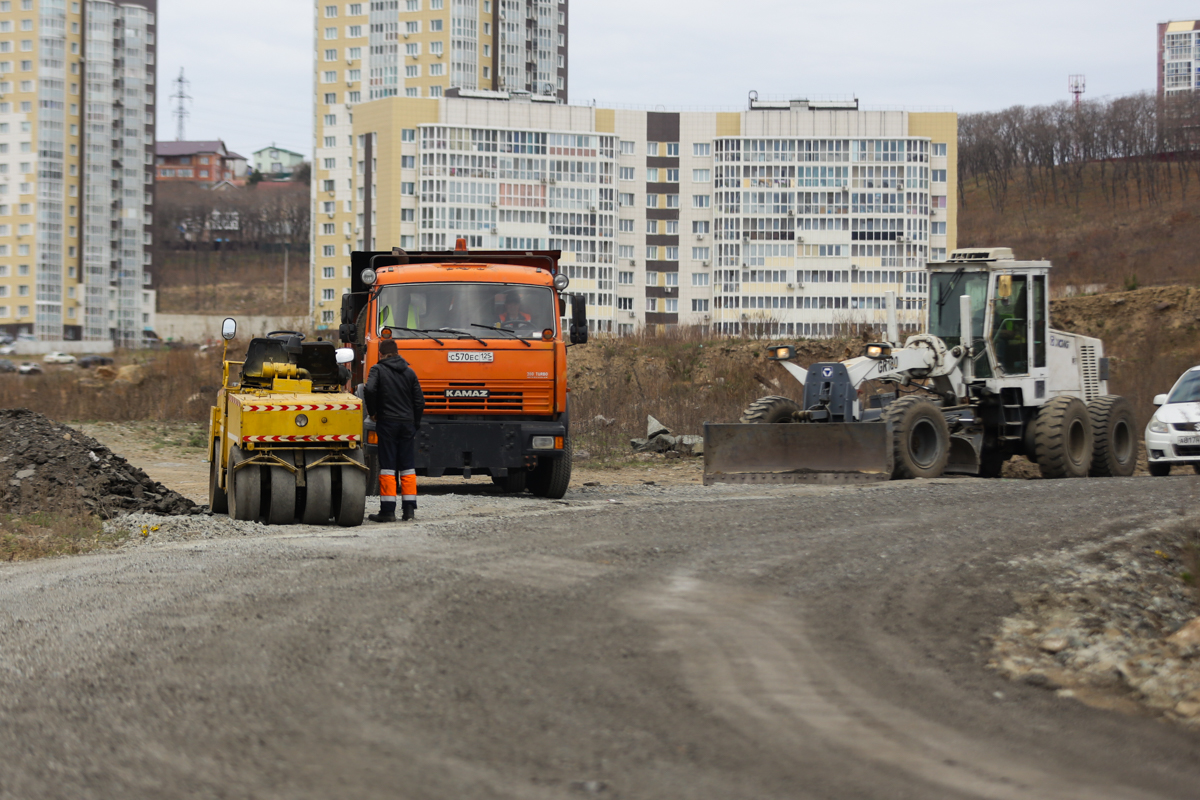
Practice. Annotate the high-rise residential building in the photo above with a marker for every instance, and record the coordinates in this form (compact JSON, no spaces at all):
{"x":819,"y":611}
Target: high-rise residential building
{"x":421,"y":49}
{"x":1178,"y":57}
{"x":76,"y":168}
{"x":790,"y":218}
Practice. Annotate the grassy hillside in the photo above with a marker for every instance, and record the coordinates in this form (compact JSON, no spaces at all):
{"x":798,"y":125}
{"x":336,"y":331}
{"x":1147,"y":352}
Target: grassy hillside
{"x":1122,"y":245}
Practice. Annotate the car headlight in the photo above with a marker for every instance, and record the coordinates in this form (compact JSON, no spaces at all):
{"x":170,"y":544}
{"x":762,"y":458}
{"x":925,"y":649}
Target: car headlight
{"x":1157,"y":426}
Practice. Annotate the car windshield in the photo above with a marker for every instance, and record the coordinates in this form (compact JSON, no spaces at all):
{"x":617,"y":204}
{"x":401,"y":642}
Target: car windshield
{"x":466,"y":310}
{"x":1187,"y":390}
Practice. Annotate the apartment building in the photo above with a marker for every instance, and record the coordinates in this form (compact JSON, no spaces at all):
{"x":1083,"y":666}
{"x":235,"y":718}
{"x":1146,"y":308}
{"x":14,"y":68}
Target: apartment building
{"x":76,"y":179}
{"x":789,"y":218}
{"x":1178,"y":57}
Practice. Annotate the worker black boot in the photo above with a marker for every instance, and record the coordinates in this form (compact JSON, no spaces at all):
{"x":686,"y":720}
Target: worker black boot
{"x":409,"y":512}
{"x":387,"y":513}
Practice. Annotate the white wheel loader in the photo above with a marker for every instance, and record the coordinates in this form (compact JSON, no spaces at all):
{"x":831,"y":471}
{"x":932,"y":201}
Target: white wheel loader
{"x":989,"y":380}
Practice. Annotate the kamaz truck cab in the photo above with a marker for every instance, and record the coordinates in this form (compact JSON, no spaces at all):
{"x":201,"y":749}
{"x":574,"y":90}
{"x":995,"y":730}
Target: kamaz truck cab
{"x":483,"y":331}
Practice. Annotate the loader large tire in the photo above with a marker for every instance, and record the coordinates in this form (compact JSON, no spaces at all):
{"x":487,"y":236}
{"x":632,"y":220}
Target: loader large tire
{"x":920,"y":438}
{"x":245,"y":487}
{"x":1062,"y":438}
{"x":770,"y":409}
{"x":1114,"y":441}
{"x":218,"y":500}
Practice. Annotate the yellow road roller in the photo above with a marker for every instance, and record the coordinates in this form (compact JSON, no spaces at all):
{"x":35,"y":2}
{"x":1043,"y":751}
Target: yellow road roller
{"x":284,"y":436}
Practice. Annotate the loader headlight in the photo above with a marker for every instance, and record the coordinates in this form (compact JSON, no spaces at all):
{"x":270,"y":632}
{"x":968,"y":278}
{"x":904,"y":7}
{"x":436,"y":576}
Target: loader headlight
{"x":561,"y":281}
{"x":301,"y":420}
{"x":878,"y":351}
{"x":1156,"y":426}
{"x":368,"y":276}
{"x":782,"y":353}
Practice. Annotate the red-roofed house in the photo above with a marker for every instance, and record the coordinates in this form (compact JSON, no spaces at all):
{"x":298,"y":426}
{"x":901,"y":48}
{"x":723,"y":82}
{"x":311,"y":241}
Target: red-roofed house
{"x":198,"y":162}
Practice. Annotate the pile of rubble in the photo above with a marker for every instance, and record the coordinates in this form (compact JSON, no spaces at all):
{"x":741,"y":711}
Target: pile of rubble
{"x":46,"y":466}
{"x":1113,"y":626}
{"x":659,"y":440}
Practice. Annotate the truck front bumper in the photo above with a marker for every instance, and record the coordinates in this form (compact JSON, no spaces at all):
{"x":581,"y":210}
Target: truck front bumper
{"x":457,"y":447}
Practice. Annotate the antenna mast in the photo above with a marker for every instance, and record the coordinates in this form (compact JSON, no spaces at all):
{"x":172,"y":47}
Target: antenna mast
{"x":180,"y":111}
{"x":1077,"y":84}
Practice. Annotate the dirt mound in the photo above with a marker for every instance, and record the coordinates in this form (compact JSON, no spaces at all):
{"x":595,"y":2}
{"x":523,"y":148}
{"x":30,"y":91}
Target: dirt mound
{"x":46,"y":466}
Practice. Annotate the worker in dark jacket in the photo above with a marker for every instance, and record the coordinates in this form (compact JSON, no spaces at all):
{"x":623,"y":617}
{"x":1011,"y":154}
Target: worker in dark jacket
{"x":395,"y":402}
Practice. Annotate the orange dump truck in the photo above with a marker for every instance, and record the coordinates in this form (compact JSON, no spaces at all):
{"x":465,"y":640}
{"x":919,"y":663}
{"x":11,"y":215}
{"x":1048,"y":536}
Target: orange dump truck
{"x":483,"y":331}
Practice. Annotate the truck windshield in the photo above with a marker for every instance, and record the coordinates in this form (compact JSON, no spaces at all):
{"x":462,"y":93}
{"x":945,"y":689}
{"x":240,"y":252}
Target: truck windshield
{"x":944,"y":290}
{"x":459,"y":309}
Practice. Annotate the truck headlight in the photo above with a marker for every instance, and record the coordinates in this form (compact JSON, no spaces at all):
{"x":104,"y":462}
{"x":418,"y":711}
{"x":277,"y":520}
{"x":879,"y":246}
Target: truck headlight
{"x":1157,"y":426}
{"x":543,"y":443}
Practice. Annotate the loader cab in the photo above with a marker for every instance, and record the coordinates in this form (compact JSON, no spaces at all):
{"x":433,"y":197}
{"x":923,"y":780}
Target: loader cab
{"x":1009,"y":310}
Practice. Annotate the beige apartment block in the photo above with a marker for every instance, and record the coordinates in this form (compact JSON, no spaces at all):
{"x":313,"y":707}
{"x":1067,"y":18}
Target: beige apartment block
{"x":76,"y":180}
{"x":788,"y":218}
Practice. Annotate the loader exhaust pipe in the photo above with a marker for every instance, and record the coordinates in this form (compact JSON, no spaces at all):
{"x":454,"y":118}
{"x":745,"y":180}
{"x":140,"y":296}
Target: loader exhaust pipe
{"x":967,"y":365}
{"x":893,"y":328}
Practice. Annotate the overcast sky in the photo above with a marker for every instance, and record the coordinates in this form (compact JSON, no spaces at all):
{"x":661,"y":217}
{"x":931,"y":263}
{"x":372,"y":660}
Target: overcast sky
{"x":250,"y":63}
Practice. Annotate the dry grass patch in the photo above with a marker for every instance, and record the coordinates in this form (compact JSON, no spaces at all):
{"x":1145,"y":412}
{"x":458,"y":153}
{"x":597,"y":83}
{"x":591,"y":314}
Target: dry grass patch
{"x":44,"y":534}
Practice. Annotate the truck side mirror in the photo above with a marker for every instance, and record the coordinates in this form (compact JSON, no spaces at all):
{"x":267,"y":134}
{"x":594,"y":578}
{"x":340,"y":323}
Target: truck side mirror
{"x":562,"y":306}
{"x":344,"y":355}
{"x":579,"y":326}
{"x":228,"y":328}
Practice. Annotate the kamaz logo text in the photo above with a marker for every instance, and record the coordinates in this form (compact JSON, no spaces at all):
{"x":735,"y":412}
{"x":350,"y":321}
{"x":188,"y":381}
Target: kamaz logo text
{"x":467,"y":393}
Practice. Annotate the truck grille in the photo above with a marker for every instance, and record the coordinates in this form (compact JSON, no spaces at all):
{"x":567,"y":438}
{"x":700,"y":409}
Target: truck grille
{"x":508,"y":398}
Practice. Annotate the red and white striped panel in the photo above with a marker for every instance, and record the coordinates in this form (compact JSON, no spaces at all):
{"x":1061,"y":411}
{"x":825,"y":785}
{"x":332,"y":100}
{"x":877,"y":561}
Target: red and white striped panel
{"x":350,"y":437}
{"x":302,"y":407}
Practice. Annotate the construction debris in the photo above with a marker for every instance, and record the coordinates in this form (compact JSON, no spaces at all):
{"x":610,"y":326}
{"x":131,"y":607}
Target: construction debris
{"x":47,"y":466}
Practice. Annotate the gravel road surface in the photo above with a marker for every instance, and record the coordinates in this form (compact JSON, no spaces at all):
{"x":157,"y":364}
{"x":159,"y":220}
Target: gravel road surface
{"x":679,"y":642}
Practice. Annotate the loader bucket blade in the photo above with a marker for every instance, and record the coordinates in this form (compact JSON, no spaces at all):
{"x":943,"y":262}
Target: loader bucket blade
{"x":855,"y":452}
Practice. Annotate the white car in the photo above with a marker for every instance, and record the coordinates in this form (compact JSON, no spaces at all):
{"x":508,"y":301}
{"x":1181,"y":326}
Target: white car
{"x":1173,"y":434}
{"x":59,"y":358}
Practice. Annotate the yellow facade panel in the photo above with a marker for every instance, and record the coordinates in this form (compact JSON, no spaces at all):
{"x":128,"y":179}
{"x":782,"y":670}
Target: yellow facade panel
{"x":942,"y":127}
{"x":729,"y":123}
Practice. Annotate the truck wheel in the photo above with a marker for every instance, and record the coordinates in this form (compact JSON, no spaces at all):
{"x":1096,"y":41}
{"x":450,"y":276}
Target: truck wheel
{"x":350,"y":493}
{"x":920,"y":438}
{"x":1062,"y":438}
{"x":770,"y":409}
{"x":318,"y":494}
{"x":218,"y":500}
{"x":281,"y":492}
{"x":1159,"y":470}
{"x":514,"y":482}
{"x":552,"y":476}
{"x":244,"y":486}
{"x":1114,"y":443}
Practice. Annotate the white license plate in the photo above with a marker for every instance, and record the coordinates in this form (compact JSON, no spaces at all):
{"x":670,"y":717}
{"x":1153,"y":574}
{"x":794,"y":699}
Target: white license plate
{"x":485,"y":356}
{"x":1187,"y":440}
